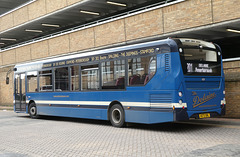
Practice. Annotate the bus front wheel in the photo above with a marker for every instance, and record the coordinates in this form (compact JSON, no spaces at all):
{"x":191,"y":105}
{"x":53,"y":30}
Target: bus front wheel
{"x":117,"y":116}
{"x":33,"y":111}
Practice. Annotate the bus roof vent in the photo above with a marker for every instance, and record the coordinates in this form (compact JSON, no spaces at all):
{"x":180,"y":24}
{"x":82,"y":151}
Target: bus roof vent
{"x":167,"y":66}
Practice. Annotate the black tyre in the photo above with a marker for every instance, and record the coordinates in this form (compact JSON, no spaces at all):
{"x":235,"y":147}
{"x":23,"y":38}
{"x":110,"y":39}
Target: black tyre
{"x":117,"y":116}
{"x":33,"y":111}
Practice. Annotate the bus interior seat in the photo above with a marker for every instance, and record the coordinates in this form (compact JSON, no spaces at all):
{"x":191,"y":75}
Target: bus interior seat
{"x":120,"y":81}
{"x":135,"y":79}
{"x":143,"y":78}
{"x":146,"y":79}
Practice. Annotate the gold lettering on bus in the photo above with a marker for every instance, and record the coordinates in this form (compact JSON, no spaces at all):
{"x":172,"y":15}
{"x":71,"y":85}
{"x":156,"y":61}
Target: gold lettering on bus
{"x":61,"y":63}
{"x":111,"y":56}
{"x":82,"y":60}
{"x":97,"y":58}
{"x":103,"y":57}
{"x":147,"y":51}
{"x":132,"y":53}
{"x":123,"y":54}
{"x":71,"y":61}
{"x":199,"y":101}
{"x":47,"y":65}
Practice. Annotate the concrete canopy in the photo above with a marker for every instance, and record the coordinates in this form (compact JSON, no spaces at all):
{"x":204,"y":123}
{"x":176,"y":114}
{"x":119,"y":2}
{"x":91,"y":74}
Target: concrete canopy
{"x":8,"y":5}
{"x":83,"y":12}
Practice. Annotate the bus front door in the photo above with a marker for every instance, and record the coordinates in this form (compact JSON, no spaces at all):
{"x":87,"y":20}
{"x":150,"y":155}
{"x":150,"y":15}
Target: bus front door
{"x":20,"y":92}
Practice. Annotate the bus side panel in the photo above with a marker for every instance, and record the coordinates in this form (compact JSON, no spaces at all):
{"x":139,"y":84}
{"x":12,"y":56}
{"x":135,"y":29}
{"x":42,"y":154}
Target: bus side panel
{"x":161,"y":117}
{"x":137,"y":116}
{"x":148,"y":117}
{"x":73,"y":112}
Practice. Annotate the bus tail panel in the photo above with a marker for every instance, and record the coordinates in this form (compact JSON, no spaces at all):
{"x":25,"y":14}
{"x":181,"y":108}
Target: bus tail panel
{"x":204,"y":96}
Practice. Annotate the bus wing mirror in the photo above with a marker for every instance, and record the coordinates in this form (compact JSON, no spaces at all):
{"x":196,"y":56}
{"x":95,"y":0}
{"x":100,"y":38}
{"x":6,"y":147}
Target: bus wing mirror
{"x":9,"y":71}
{"x":7,"y":80}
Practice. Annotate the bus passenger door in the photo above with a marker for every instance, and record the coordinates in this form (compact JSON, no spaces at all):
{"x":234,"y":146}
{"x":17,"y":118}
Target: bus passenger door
{"x":20,"y":93}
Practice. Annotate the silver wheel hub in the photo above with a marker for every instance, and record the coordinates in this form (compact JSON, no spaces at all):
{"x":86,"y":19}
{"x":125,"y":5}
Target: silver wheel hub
{"x":116,"y":115}
{"x":33,"y":110}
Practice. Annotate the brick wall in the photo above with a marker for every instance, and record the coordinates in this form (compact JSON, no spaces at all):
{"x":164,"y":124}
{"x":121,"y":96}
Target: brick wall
{"x":6,"y":91}
{"x":232,"y":87}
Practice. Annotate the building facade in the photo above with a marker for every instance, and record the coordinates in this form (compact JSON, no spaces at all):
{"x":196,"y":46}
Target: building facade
{"x":116,"y":25}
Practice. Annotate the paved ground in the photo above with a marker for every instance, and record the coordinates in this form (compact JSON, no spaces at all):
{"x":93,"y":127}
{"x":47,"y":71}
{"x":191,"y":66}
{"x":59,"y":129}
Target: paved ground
{"x":21,"y":136}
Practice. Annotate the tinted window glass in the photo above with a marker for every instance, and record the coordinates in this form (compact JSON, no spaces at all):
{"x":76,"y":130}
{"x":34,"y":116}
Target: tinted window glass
{"x":32,"y":81}
{"x":90,"y":77}
{"x":45,"y":81}
{"x":61,"y":79}
{"x":200,"y":55}
{"x":74,"y":78}
{"x":113,"y":74}
{"x":141,"y":70}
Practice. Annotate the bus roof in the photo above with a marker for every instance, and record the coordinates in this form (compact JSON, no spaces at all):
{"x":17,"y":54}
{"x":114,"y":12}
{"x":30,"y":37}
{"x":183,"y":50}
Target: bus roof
{"x":37,"y":65}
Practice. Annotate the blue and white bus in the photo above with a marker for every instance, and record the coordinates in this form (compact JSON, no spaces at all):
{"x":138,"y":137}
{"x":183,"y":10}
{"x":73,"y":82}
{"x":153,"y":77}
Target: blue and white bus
{"x":160,"y":81}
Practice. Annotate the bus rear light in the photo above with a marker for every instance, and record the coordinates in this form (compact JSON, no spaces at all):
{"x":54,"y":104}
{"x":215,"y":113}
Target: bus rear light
{"x":180,"y":94}
{"x":183,"y":107}
{"x":223,"y":102}
{"x":180,"y":102}
{"x":180,"y":50}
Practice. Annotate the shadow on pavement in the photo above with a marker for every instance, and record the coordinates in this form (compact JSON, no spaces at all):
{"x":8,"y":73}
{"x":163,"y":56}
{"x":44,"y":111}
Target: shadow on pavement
{"x":168,"y":127}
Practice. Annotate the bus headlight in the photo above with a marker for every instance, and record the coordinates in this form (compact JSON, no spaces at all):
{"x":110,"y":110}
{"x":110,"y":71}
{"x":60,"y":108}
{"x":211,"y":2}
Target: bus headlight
{"x":224,"y":92}
{"x":180,"y":94}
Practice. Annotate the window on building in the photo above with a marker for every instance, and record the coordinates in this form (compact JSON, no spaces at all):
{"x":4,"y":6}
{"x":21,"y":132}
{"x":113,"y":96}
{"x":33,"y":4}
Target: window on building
{"x":45,"y":81}
{"x":32,"y":81}
{"x":61,"y":79}
{"x":113,"y":74}
{"x":74,"y":78}
{"x":90,"y":77}
{"x":141,"y":70}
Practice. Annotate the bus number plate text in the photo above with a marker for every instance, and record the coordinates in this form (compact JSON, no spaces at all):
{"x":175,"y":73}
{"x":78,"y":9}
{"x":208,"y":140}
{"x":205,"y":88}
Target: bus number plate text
{"x":204,"y":115}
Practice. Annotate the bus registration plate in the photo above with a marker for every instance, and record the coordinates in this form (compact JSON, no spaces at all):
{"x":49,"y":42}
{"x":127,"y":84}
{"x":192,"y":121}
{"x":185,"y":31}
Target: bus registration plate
{"x":204,"y":115}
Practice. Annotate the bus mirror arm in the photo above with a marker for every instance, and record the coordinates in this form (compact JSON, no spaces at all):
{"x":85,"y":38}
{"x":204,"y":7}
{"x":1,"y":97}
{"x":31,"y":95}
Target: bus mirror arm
{"x":7,"y":76}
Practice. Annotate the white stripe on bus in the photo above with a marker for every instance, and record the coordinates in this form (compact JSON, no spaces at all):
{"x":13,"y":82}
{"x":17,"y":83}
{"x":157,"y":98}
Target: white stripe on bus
{"x":106,"y":103}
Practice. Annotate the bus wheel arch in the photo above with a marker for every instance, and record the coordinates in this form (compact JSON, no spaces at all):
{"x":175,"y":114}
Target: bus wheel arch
{"x":32,"y":110}
{"x":116,"y":114}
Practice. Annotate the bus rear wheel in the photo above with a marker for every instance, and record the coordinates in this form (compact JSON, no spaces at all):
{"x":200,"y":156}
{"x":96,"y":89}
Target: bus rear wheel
{"x":33,"y":111}
{"x":117,"y":116}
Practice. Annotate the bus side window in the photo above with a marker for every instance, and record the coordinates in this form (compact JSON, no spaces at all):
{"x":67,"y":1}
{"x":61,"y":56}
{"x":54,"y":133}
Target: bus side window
{"x":75,"y":78}
{"x":140,"y":70}
{"x":90,"y":77}
{"x":45,"y":81}
{"x":152,"y":67}
{"x":32,"y":81}
{"x":61,"y":79}
{"x":113,"y":74}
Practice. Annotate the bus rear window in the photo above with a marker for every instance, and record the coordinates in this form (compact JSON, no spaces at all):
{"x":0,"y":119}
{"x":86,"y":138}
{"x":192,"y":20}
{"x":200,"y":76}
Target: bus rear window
{"x":197,"y":61}
{"x":200,"y":55}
